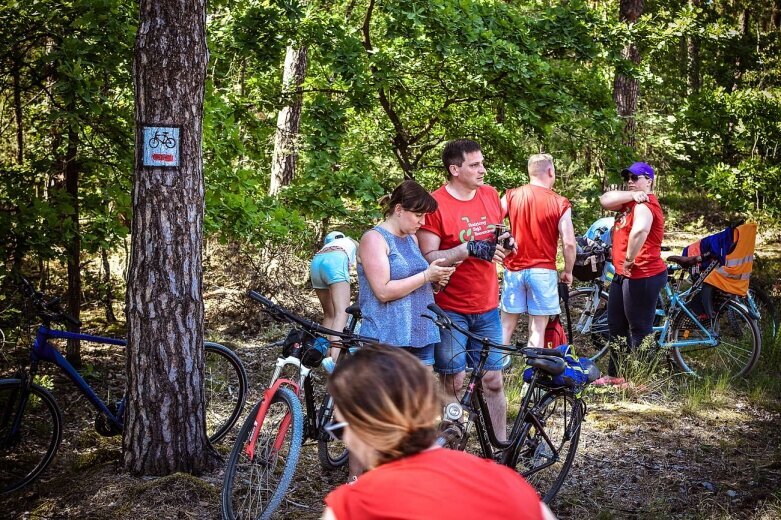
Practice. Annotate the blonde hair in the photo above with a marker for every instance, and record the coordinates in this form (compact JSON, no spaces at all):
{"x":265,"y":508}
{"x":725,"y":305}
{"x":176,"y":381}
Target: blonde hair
{"x":539,"y":163}
{"x":389,"y":399}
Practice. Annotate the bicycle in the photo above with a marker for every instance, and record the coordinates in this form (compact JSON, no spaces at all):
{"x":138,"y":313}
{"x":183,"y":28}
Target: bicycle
{"x":166,"y":140}
{"x":728,"y":343}
{"x":31,"y":421}
{"x":544,"y":436}
{"x":266,"y":451}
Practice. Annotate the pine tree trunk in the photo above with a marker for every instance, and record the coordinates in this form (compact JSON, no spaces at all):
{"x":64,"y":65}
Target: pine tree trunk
{"x":73,"y":247}
{"x":283,"y":164}
{"x":108,"y":299}
{"x":165,"y":428}
{"x":625,"y":88}
{"x":693,"y":57}
{"x":18,"y":115}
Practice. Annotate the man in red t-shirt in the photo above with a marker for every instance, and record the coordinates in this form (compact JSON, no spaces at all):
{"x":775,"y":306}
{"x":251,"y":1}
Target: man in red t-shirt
{"x":461,"y":231}
{"x":538,"y":217}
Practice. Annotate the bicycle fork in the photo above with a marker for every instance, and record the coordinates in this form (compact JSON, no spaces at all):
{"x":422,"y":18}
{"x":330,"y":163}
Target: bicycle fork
{"x":268,"y":396}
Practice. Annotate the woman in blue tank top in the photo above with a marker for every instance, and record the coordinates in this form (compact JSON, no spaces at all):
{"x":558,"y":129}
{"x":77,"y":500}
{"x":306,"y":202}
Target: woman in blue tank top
{"x":395,"y":282}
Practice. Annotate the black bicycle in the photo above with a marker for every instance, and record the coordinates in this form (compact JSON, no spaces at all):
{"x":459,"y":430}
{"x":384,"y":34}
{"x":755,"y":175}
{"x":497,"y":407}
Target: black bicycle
{"x":265,"y":454}
{"x":544,"y":436}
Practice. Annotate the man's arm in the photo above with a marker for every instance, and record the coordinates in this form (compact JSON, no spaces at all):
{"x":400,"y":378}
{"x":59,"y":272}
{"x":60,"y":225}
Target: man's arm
{"x":569,"y":247}
{"x":615,"y":200}
{"x":503,"y":202}
{"x":429,"y":246}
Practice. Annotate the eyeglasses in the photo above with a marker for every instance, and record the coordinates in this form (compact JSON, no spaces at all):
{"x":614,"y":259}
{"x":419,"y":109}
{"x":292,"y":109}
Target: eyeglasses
{"x":633,"y":177}
{"x":335,"y":429}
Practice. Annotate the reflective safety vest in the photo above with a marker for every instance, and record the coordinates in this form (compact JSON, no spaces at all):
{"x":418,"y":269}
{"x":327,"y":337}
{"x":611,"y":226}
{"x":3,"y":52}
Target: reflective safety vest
{"x":733,"y":276}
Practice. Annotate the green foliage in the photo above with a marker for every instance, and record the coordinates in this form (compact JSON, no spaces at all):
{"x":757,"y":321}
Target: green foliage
{"x":520,"y":77}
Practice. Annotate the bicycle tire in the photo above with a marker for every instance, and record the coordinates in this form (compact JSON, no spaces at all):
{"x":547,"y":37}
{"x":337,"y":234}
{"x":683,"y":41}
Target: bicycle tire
{"x":28,"y":452}
{"x":254,"y":489}
{"x":768,"y":317}
{"x":333,"y":454}
{"x":561,"y":415}
{"x":225,"y":389}
{"x":590,"y":339}
{"x":737,"y":351}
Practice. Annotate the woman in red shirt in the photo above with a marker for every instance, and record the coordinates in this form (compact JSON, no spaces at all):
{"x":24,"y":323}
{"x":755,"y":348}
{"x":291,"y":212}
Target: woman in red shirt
{"x":637,"y":256}
{"x":386,"y":408}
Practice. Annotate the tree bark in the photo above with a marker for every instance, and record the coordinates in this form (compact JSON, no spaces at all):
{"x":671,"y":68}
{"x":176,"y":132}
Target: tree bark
{"x":73,"y":246}
{"x":108,"y":299}
{"x":165,"y":429}
{"x":283,"y":164}
{"x":18,"y":114}
{"x":625,"y":88}
{"x":693,"y":57}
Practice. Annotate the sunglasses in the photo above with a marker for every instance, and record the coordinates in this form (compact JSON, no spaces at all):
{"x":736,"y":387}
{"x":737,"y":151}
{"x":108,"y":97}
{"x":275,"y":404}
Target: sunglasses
{"x":633,"y":177}
{"x":335,"y":429}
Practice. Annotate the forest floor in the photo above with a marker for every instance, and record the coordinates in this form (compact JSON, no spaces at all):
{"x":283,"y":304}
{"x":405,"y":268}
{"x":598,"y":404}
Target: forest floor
{"x":670,"y":448}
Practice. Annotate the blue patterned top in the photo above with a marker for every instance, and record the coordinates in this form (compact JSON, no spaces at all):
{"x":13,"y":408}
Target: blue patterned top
{"x":398,"y":322}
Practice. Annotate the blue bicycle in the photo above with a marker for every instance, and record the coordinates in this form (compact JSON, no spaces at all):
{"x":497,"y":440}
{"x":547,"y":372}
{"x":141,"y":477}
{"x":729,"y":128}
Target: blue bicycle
{"x":31,"y":421}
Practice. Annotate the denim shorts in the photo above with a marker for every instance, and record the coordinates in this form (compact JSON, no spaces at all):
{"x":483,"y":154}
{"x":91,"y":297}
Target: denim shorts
{"x":329,"y":268}
{"x":453,"y":353}
{"x":534,"y":290}
{"x":424,"y":354}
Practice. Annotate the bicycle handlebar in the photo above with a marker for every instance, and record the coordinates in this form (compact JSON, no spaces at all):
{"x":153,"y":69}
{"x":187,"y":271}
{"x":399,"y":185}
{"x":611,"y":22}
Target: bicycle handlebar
{"x":47,"y":310}
{"x":281,"y":314}
{"x":444,"y":321}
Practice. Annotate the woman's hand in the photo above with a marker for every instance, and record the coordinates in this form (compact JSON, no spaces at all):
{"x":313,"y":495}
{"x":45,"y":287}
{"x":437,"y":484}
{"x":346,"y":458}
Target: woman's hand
{"x":437,"y":273}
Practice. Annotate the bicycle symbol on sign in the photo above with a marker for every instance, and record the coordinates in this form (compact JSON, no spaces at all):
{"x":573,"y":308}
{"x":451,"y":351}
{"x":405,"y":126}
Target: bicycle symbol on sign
{"x":162,"y":138}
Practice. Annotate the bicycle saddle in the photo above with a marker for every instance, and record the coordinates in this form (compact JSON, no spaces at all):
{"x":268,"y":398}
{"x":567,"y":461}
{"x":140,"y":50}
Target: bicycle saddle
{"x":549,"y":364}
{"x":545,"y":352}
{"x":354,"y":309}
{"x":685,"y":261}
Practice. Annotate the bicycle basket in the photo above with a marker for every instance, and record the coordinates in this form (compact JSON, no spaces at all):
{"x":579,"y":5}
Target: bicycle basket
{"x":590,"y":260}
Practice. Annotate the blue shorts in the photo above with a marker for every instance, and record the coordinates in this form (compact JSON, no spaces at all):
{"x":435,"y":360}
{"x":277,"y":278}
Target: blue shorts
{"x":329,"y":268}
{"x":534,"y":290}
{"x":424,"y":354}
{"x":452,"y":354}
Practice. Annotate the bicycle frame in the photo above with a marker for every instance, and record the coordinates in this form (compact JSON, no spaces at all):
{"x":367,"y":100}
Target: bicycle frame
{"x":42,"y":350}
{"x":678,"y":301}
{"x":583,"y":326}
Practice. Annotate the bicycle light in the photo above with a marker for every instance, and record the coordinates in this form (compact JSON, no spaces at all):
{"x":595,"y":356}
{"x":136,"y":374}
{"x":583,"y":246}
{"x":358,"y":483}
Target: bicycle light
{"x":453,"y":411}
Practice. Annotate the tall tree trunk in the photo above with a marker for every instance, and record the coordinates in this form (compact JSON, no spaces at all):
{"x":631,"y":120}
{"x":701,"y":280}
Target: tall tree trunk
{"x":729,"y":152}
{"x":625,"y":88}
{"x":693,"y":57}
{"x":165,"y":428}
{"x":283,"y":164}
{"x":18,"y":114}
{"x":73,"y":246}
{"x":108,"y":297}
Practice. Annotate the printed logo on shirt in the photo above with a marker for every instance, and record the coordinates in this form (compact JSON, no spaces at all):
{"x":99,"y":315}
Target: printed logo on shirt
{"x":621,"y":220}
{"x":474,"y":230}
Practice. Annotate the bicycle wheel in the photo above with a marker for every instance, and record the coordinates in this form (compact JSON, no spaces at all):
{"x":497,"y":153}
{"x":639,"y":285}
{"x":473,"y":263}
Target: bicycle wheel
{"x":768,"y":319}
{"x":737,"y":349}
{"x":590,"y":330}
{"x":254,"y":487}
{"x":224,"y":388}
{"x":25,"y":453}
{"x":332,"y":453}
{"x":545,"y":462}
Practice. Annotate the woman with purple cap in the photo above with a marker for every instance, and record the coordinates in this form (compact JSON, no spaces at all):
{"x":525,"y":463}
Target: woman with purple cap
{"x":637,"y":256}
{"x":330,"y":274}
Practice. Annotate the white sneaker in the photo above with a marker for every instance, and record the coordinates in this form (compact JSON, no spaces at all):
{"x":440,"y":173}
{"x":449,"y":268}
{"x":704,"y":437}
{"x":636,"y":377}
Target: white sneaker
{"x":329,"y":364}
